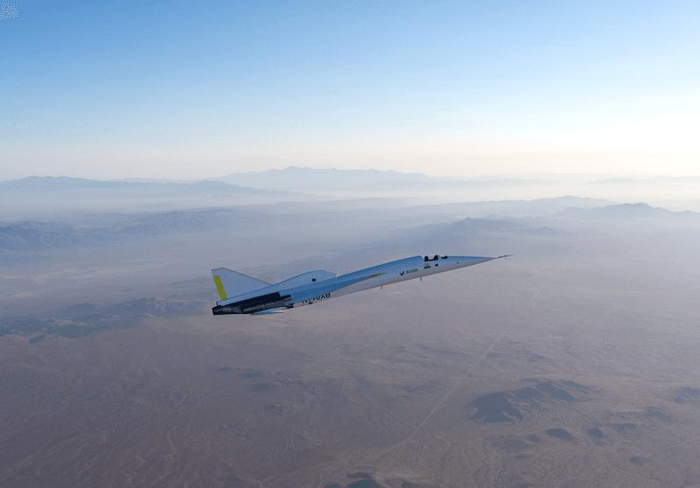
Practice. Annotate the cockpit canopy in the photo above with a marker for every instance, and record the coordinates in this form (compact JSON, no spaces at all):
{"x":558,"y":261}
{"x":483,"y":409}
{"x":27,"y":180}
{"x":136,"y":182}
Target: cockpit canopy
{"x":434,"y":258}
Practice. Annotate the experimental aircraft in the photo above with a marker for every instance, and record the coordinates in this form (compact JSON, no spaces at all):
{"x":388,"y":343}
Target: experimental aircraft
{"x":243,"y":294}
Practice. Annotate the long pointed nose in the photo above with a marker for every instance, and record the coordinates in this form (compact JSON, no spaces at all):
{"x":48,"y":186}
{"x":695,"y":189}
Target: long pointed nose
{"x":463,"y":261}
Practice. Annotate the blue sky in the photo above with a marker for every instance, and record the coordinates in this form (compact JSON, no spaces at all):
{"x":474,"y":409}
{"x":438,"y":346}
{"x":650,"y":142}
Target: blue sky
{"x":192,"y":90}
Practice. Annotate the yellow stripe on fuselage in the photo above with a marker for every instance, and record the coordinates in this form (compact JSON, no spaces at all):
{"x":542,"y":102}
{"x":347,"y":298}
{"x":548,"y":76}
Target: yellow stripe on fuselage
{"x":220,"y":287}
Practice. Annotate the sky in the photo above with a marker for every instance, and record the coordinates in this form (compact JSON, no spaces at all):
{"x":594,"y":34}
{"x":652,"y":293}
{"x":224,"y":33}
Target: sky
{"x":170,"y":89}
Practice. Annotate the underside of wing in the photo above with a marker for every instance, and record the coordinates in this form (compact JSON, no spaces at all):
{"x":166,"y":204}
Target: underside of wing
{"x":272,"y":311}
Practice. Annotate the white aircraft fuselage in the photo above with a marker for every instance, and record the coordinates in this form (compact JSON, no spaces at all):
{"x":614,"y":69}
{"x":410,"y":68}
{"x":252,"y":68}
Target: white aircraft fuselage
{"x":252,"y":296}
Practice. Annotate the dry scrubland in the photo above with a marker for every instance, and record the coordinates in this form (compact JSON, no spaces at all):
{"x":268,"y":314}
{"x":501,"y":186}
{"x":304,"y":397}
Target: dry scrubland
{"x":574,"y":363}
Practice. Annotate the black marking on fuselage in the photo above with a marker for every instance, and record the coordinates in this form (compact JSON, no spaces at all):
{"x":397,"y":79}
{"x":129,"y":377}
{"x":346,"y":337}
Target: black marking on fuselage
{"x":322,"y":296}
{"x":254,"y":304}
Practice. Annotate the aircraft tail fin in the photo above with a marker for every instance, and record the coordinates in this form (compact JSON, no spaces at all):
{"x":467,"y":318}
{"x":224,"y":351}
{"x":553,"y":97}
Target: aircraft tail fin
{"x":230,"y":283}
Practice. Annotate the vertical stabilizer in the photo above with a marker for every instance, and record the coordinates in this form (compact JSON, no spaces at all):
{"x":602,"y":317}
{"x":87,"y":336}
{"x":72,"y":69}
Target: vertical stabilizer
{"x":230,"y":283}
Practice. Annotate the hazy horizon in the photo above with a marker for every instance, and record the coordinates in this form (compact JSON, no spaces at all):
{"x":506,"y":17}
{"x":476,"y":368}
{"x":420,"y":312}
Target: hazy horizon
{"x":482,"y":176}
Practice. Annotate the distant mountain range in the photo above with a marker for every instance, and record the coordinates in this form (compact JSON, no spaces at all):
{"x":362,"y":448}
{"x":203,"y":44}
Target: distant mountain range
{"x":62,"y":183}
{"x":333,"y":180}
{"x":658,"y":180}
{"x":364,"y":183}
{"x":45,"y":195}
{"x":36,"y":236}
{"x":110,"y":229}
{"x":513,"y":208}
{"x":483,"y":218}
{"x":307,"y":179}
{"x":630,"y":212}
{"x":42,"y":198}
